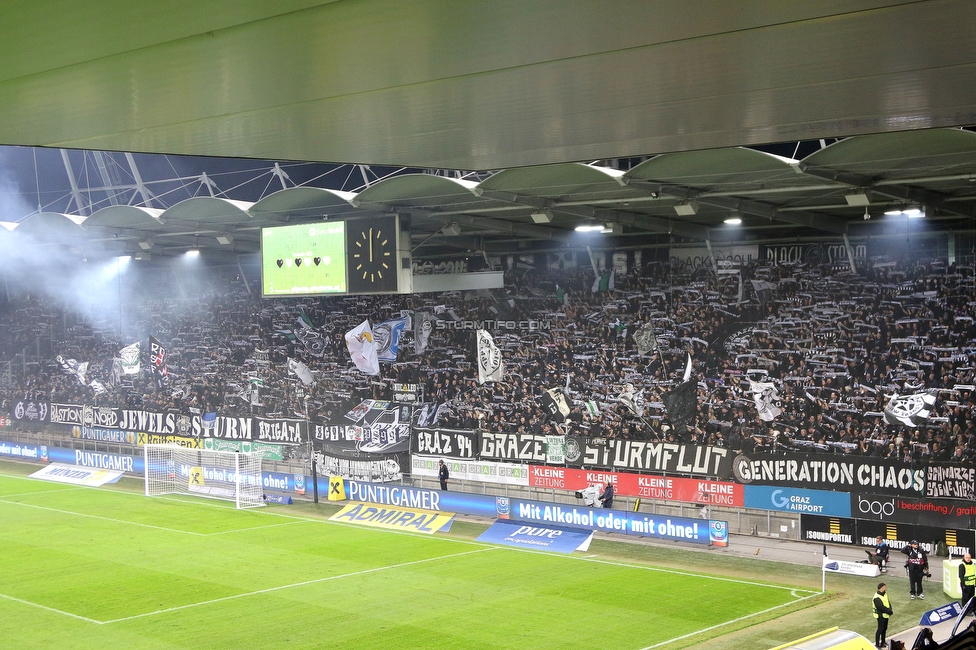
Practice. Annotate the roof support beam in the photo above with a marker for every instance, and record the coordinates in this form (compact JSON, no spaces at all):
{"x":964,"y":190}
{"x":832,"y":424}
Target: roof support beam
{"x":900,"y":192}
{"x":809,"y":219}
{"x":693,"y":231}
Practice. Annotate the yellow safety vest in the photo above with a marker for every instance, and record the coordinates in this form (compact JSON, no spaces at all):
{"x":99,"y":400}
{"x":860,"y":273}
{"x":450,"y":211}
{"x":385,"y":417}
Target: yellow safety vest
{"x":969,"y":579}
{"x":884,"y":599}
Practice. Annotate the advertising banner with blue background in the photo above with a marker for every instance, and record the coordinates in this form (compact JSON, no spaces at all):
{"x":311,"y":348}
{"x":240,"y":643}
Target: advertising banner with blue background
{"x":813,"y":502}
{"x":679,"y":529}
{"x":548,"y":538}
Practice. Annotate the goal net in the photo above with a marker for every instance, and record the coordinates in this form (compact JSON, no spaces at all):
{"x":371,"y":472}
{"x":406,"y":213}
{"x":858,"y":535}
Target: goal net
{"x":228,"y":475}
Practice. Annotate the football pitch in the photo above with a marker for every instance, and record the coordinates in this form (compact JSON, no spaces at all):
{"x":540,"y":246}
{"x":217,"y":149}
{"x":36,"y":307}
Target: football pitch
{"x":110,"y":568}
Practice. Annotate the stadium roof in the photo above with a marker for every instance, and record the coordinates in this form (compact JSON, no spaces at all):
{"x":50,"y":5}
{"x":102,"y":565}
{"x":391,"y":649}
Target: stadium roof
{"x":684,"y":196}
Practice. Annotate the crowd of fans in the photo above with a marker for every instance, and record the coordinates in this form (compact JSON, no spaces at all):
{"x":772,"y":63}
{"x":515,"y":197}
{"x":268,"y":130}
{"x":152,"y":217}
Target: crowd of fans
{"x":837,"y":345}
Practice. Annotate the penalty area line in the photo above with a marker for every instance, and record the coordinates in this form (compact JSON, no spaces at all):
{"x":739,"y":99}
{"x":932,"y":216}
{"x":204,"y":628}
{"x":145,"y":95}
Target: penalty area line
{"x":51,"y":609}
{"x":117,"y":521}
{"x":296,"y":584}
{"x":734,"y":620}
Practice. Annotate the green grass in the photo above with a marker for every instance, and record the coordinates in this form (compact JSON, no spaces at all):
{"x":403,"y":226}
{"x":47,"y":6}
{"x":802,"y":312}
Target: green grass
{"x":109,"y":568}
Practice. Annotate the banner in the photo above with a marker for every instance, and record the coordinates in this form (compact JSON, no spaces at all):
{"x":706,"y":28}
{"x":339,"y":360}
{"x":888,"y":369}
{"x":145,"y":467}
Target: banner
{"x":395,"y":518}
{"x":268,"y":452}
{"x":645,"y":486}
{"x":480,"y":505}
{"x":31,"y":411}
{"x":61,"y":473}
{"x":362,"y":349}
{"x":287,"y":431}
{"x":836,"y":530}
{"x":154,"y":439}
{"x":816,"y":502}
{"x":830,"y":472}
{"x":472,"y":470}
{"x":850,"y":568}
{"x":925,"y":512}
{"x":950,"y":482}
{"x":678,"y":529}
{"x":863,"y":532}
{"x":612,"y":453}
{"x":448,"y":443}
{"x":549,"y":538}
{"x":555,"y":450}
{"x":490,"y":366}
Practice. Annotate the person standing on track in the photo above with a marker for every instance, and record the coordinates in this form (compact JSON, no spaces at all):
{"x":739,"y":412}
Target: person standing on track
{"x":967,"y":578}
{"x":917,"y":565}
{"x":882,"y":611}
{"x":607,"y":497}
{"x":443,"y":475}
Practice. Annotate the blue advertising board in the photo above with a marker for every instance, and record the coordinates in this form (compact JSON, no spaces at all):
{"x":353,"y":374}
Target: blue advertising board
{"x":418,"y":498}
{"x":797,"y":500}
{"x":939,"y":614}
{"x":548,"y":538}
{"x":679,"y":529}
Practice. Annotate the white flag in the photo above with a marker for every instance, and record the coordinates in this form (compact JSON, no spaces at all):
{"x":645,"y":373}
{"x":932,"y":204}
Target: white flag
{"x":299,"y":369}
{"x":633,"y":400}
{"x":767,"y":399}
{"x":362,"y":349}
{"x":910,"y":410}
{"x":130,"y":355}
{"x":490,"y":366}
{"x":687,"y":370}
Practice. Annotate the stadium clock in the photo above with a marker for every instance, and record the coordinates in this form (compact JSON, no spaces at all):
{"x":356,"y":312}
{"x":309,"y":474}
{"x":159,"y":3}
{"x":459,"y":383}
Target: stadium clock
{"x":371,"y":255}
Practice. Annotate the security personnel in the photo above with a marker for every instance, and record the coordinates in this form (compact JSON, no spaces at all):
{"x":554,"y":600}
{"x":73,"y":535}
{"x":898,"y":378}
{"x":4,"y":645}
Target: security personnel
{"x":917,"y":565}
{"x":882,"y":611}
{"x":967,"y":578}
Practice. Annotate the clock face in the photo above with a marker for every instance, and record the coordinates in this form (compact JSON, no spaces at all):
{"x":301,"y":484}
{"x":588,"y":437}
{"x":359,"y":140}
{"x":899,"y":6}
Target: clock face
{"x":372,"y":255}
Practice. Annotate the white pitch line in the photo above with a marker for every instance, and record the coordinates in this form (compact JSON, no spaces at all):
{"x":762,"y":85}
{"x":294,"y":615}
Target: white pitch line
{"x":244,"y":530}
{"x":685,"y":573}
{"x":117,"y":521}
{"x":51,"y":609}
{"x":297,"y":584}
{"x":734,"y":620}
{"x":52,"y":491}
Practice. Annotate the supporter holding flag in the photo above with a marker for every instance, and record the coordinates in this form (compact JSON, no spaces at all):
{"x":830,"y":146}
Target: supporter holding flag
{"x":130,"y":356}
{"x":157,"y":362}
{"x":362,"y":349}
{"x":490,"y":366}
{"x":301,"y":371}
{"x":766,"y":398}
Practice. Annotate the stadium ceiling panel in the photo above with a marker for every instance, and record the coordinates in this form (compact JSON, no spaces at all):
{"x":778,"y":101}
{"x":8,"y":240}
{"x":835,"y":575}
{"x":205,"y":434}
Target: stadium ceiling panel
{"x":440,"y":84}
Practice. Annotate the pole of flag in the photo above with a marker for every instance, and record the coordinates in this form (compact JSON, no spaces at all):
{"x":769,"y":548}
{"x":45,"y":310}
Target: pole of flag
{"x":823,"y":572}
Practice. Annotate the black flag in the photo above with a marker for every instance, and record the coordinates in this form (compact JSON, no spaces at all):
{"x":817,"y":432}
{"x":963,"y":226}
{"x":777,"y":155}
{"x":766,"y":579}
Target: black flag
{"x":157,"y":361}
{"x":682,"y":405}
{"x":554,"y":403}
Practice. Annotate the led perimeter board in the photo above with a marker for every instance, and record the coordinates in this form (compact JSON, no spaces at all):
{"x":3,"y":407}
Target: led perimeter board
{"x":303,"y":260}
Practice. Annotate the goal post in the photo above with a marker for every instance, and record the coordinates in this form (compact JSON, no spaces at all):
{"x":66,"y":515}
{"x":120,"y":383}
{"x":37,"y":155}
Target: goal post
{"x":227,"y":475}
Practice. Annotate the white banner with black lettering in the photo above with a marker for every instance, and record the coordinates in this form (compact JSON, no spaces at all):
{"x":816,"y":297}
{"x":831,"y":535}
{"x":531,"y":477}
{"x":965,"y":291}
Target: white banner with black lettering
{"x":471,"y":470}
